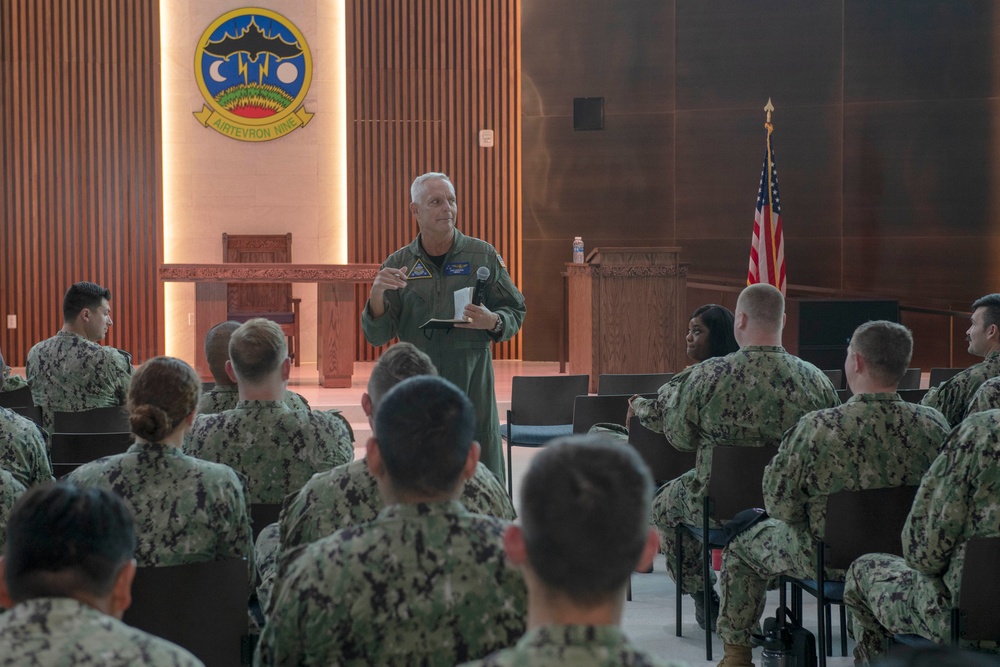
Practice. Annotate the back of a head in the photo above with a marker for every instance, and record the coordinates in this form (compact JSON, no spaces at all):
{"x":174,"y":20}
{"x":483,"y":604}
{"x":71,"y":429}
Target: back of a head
{"x":886,"y":347}
{"x":425,"y":426}
{"x":585,"y":516}
{"x":417,"y":187}
{"x":402,"y":360}
{"x":764,"y":306}
{"x":64,"y":540}
{"x":217,"y":350}
{"x":163,"y":391}
{"x":83,"y":295}
{"x":719,"y":321}
{"x":257,"y":349}
{"x":991,"y":304}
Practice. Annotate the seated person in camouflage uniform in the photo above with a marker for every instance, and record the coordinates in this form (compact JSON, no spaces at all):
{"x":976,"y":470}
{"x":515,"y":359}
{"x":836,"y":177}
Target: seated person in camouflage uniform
{"x":987,"y":397}
{"x":348,"y":495}
{"x":277,"y":449}
{"x":225,"y":394}
{"x":10,"y":491}
{"x":186,"y":510}
{"x":9,"y":382}
{"x":71,"y":371}
{"x":952,"y":397}
{"x":748,"y":399}
{"x":67,"y":578}
{"x":23,"y":451}
{"x":875,"y":440}
{"x":957,"y":500}
{"x":584,"y":528}
{"x":426,"y":582}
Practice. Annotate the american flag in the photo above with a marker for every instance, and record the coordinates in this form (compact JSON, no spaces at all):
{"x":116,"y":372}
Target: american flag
{"x":767,"y":249}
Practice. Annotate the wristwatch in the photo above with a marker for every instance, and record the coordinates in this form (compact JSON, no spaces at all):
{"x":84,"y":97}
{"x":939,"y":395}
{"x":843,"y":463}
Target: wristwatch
{"x":498,"y":329}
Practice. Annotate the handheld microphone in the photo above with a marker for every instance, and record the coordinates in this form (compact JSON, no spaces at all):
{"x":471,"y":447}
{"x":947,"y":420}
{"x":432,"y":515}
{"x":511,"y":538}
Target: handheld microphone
{"x":482,"y":275}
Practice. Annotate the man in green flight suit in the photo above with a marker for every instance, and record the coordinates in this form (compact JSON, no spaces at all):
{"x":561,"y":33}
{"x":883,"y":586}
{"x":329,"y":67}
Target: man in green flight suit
{"x":417,"y":283}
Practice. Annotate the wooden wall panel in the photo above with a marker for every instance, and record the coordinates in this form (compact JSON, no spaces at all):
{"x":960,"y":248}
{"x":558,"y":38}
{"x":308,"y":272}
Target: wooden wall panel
{"x":423,"y":77}
{"x":80,"y":193}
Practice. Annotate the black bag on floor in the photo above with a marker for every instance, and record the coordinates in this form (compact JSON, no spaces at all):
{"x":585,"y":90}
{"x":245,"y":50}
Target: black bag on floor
{"x":786,"y":643}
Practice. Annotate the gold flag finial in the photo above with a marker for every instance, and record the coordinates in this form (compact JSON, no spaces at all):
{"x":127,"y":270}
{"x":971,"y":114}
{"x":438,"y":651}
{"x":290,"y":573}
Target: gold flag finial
{"x":769,"y":107}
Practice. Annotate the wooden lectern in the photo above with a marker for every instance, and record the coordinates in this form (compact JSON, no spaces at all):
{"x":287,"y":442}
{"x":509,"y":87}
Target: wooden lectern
{"x":627,"y":312}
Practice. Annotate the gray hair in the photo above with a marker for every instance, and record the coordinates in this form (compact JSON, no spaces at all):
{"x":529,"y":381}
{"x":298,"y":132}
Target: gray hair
{"x":418,"y":182}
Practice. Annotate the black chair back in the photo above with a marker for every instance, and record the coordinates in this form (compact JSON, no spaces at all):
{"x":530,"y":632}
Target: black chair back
{"x":836,"y":376}
{"x":71,"y":450}
{"x":263,"y":515}
{"x":590,"y":410}
{"x":911,"y":379}
{"x":545,"y":400}
{"x":200,"y":606}
{"x":96,"y":420}
{"x":939,"y":375}
{"x":32,"y":412}
{"x":865,"y":521}
{"x":631,"y":383}
{"x":912,"y":395}
{"x":737,"y":479}
{"x":16,"y":398}
{"x":664,"y":461}
{"x":975,"y":617}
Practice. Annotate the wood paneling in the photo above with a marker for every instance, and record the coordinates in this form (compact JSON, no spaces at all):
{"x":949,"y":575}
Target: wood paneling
{"x":80,"y":166}
{"x":422,"y":79}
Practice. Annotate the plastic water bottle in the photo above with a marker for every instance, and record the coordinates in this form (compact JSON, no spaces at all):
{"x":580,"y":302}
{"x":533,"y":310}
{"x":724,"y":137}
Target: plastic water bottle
{"x":578,"y":250}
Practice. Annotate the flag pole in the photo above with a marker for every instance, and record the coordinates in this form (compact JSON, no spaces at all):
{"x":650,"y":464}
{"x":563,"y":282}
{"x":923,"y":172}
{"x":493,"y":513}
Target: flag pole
{"x":768,"y":109}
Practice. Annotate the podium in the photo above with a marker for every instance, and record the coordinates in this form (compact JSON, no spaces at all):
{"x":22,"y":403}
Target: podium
{"x":627,"y":312}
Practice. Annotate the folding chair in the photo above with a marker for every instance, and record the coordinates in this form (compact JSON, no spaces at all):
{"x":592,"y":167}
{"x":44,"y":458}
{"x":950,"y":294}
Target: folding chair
{"x":200,"y":606}
{"x":96,"y":420}
{"x":541,"y":408}
{"x":631,"y":383}
{"x":939,"y":375}
{"x":16,"y":398}
{"x":664,"y":461}
{"x":32,"y":412}
{"x":736,"y":484}
{"x":69,"y":451}
{"x":857,"y":523}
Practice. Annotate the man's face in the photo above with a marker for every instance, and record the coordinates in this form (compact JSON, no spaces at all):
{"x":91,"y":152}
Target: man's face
{"x":98,"y":320}
{"x":976,"y":335}
{"x":436,"y":208}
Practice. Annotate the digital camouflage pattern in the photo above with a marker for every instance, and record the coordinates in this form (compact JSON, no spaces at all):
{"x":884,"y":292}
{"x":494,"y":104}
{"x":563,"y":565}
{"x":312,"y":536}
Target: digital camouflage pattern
{"x":10,"y":382}
{"x":461,"y":356}
{"x":748,"y":399}
{"x":69,"y":373}
{"x":651,"y":411}
{"x":574,"y":646}
{"x":22,"y":449}
{"x":186,"y":510}
{"x":10,"y":491}
{"x":959,"y":498}
{"x":987,"y":397}
{"x":221,"y":398}
{"x":275,"y":448}
{"x":423,"y":584}
{"x":347,"y":496}
{"x":952,"y":397}
{"x":873,"y":441}
{"x":45,"y":632}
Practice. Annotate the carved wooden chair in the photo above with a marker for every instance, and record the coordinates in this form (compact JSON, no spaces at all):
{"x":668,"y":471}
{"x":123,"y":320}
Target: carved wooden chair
{"x":244,"y":301}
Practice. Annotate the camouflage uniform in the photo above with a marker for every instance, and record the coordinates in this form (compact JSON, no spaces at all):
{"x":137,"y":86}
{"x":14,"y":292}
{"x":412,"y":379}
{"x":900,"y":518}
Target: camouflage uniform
{"x":225,"y":397}
{"x":69,"y":373}
{"x":275,"y":448}
{"x":460,"y":355}
{"x":10,"y":491}
{"x":872,"y":441}
{"x":987,"y":397}
{"x":62,"y":631}
{"x":952,"y":396}
{"x":22,"y":449}
{"x":10,"y":382}
{"x":425,"y":584}
{"x":749,"y":399}
{"x":651,"y":411}
{"x":576,"y":645}
{"x":958,"y":499}
{"x":186,"y":510}
{"x":348,"y":496}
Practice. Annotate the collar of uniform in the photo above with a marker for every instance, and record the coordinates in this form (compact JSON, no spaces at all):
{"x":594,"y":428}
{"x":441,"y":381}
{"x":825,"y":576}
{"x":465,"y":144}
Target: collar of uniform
{"x":993,"y":355}
{"x":573,"y":635}
{"x":154,"y":448}
{"x":457,"y":245}
{"x":56,"y":611}
{"x":763,"y":348}
{"x":223,"y":389}
{"x":871,"y":398}
{"x":71,"y":334}
{"x":262,"y":405}
{"x":413,"y":510}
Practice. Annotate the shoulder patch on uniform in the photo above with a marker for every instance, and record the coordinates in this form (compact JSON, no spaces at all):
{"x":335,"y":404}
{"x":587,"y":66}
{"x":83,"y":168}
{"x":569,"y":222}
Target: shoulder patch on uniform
{"x":418,"y":271}
{"x":500,"y":259}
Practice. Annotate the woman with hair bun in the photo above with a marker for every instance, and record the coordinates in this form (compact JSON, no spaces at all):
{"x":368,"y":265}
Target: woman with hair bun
{"x":186,"y":510}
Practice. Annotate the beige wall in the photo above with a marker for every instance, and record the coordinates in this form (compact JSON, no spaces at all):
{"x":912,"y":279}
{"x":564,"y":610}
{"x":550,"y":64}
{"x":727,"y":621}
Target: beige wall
{"x":214,"y":184}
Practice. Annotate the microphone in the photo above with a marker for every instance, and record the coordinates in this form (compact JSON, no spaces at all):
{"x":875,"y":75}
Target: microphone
{"x":482,"y":275}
